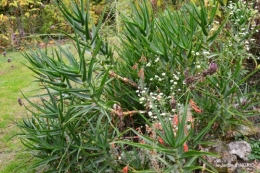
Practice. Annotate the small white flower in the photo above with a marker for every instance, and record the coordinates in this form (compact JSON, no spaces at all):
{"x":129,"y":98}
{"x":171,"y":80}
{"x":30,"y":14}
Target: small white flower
{"x":163,"y":114}
{"x":150,"y":113}
{"x":173,"y":110}
{"x":198,"y":66}
{"x":148,"y":65}
{"x":175,"y":83}
{"x":154,"y":117}
{"x":163,"y":74}
{"x":143,"y":91}
{"x":137,"y":91}
{"x":171,"y":81}
{"x":160,"y":79}
{"x":151,"y":93}
{"x":197,"y":53}
{"x":151,"y":79}
{"x":157,"y":59}
{"x":142,"y":99}
{"x":161,"y":94}
{"x":156,"y":76}
{"x":179,"y":89}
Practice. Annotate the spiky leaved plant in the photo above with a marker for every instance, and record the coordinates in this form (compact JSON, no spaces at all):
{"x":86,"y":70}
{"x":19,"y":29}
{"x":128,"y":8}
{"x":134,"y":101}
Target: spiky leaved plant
{"x":130,"y":112}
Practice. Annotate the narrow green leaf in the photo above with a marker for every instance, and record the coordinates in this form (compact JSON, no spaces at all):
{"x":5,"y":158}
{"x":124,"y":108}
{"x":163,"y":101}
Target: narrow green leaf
{"x":203,"y":132}
{"x":90,"y":70}
{"x":192,"y":153}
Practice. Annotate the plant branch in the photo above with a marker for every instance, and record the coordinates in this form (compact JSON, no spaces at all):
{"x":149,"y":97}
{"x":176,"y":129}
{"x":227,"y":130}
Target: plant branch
{"x":126,"y":80}
{"x":131,"y":113}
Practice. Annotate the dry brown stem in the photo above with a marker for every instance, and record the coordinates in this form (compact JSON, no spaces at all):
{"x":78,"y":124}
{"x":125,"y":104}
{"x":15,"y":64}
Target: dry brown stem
{"x":126,"y":113}
{"x":126,"y":80}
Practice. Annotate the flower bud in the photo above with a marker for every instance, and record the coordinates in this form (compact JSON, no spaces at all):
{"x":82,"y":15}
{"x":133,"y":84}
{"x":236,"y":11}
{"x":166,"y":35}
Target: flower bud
{"x":189,"y":80}
{"x":173,"y":103}
{"x":20,"y":101}
{"x":4,"y":53}
{"x":213,"y":67}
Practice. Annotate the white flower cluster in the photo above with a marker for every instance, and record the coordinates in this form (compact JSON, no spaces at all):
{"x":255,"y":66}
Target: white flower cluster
{"x":241,"y":12}
{"x":174,"y":83}
{"x":242,"y":16}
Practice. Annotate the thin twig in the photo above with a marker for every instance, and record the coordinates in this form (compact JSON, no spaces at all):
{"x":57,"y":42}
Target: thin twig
{"x":126,"y":80}
{"x":131,"y":113}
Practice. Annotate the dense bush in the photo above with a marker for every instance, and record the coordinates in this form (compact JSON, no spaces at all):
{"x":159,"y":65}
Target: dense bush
{"x":24,"y":23}
{"x":148,"y":104}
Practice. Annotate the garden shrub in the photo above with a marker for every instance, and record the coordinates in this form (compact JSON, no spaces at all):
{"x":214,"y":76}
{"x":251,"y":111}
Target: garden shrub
{"x":175,"y":76}
{"x":24,"y":20}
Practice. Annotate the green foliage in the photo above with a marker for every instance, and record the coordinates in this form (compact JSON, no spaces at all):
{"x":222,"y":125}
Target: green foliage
{"x":177,"y":52}
{"x":255,"y":145}
{"x":24,"y":22}
{"x":147,"y":107}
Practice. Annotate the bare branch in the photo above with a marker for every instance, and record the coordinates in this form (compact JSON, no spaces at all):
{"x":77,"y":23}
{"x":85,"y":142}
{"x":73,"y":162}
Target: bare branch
{"x":126,"y":80}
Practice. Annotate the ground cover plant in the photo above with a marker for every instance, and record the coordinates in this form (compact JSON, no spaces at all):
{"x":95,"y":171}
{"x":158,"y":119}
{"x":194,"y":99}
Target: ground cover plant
{"x":175,"y":80}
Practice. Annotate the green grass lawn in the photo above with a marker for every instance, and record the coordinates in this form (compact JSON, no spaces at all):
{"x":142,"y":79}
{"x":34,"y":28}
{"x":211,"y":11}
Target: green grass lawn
{"x":14,"y":78}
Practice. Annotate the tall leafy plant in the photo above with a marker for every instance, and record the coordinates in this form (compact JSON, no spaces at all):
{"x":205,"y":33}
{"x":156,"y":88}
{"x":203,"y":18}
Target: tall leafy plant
{"x":136,"y":110}
{"x":189,"y":52}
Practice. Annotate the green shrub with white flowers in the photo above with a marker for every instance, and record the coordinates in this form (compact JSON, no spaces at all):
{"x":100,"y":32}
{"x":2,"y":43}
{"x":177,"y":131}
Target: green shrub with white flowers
{"x":148,"y":102}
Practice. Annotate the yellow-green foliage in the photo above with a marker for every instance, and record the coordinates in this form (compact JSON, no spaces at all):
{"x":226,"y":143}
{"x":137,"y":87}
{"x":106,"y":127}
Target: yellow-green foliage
{"x":22,"y":19}
{"x":4,"y":38}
